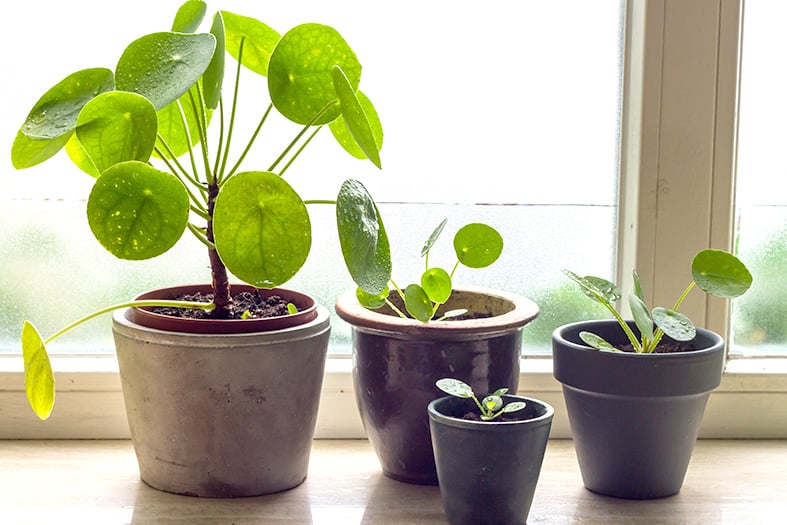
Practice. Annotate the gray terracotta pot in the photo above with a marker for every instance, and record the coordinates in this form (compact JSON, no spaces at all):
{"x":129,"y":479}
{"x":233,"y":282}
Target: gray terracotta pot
{"x":222,"y":415}
{"x":397,"y":361}
{"x":634,"y":418}
{"x":488,"y":471}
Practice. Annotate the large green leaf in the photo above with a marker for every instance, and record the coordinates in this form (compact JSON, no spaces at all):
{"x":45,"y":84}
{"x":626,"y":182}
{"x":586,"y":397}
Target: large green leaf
{"x":437,"y":284}
{"x":455,"y":387}
{"x":79,"y":156}
{"x":362,"y":236}
{"x":116,"y":127}
{"x":189,"y":16}
{"x":39,"y":379}
{"x":213,"y":78}
{"x":343,"y":136}
{"x":27,"y":152}
{"x":136,"y":211}
{"x":262,"y":229}
{"x":720,"y":273}
{"x":163,"y":66}
{"x":300,"y":73}
{"x":674,"y":324}
{"x":258,"y":41}
{"x":478,"y":245}
{"x":355,"y":118}
{"x":55,"y":114}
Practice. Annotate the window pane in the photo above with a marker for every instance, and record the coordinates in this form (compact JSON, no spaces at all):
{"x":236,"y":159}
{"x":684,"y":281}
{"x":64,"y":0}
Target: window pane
{"x":760,"y":316}
{"x":507,"y":104}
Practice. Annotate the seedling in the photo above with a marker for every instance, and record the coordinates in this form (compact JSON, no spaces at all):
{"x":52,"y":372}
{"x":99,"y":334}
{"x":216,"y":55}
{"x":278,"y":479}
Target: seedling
{"x":367,"y":256}
{"x":716,"y":272}
{"x":491,"y":406}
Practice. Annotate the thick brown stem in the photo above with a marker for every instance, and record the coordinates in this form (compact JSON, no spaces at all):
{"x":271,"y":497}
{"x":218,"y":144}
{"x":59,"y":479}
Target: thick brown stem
{"x":219,"y":279}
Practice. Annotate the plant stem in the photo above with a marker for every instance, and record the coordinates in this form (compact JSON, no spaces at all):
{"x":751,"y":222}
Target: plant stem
{"x":302,"y":132}
{"x":297,"y":153}
{"x":251,"y":141}
{"x":395,"y":309}
{"x":219,"y":279}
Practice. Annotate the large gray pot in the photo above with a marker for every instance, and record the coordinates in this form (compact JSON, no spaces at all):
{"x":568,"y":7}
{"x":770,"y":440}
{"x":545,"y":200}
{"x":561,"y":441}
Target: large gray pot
{"x":634,"y":417}
{"x":397,"y":361}
{"x":222,"y":415}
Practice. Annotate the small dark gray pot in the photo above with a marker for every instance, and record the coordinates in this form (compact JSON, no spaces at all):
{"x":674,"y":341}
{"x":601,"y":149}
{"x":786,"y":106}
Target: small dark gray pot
{"x":634,"y":417}
{"x":488,"y":471}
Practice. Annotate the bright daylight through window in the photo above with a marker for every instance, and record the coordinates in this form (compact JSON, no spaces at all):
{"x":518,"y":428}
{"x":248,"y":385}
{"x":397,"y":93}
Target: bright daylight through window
{"x":478,"y":128}
{"x":760,"y":317}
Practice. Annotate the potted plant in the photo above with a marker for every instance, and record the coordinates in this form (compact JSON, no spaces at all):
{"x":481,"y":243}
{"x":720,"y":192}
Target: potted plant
{"x":221,"y":397}
{"x":488,"y":453}
{"x":636,"y":390}
{"x":406,"y":338}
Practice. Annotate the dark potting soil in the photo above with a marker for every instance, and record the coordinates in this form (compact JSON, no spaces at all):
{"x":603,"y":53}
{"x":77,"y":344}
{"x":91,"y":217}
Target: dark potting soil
{"x":474,"y":416}
{"x":256,"y":304}
{"x":666,"y":347}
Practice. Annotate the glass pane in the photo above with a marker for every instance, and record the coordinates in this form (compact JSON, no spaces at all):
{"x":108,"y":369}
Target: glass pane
{"x":513,"y":106}
{"x":760,"y":316}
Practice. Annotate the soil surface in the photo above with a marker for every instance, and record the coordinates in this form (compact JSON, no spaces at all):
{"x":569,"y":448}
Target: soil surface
{"x":666,"y":346}
{"x":475,"y":416}
{"x":256,"y":304}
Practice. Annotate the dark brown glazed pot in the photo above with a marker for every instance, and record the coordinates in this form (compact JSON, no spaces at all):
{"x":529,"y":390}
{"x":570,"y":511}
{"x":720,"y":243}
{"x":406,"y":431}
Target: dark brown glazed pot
{"x":222,"y":414}
{"x":397,"y":361}
{"x":634,"y":417}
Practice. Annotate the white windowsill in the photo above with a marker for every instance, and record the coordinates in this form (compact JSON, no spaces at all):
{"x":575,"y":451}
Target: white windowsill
{"x":750,"y":403}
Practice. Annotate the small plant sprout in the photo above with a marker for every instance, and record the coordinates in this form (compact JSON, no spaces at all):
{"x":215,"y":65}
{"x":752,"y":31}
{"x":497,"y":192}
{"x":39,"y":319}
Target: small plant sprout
{"x":368,"y":258}
{"x":716,"y":272}
{"x":491,"y":406}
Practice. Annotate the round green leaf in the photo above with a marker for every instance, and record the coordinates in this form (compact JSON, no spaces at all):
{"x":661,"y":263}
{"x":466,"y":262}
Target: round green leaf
{"x":300,"y":73}
{"x":720,"y":273}
{"x":597,"y":342}
{"x":454,"y":387}
{"x":189,"y":16}
{"x":417,"y":303}
{"x":514,"y":407}
{"x":258,"y":41}
{"x":136,"y":211}
{"x":477,"y":245}
{"x":116,"y":127}
{"x":362,"y":237}
{"x":437,"y":284}
{"x":262,"y":229}
{"x":80,"y":158}
{"x":27,"y":152}
{"x":355,"y":118}
{"x":641,"y":316}
{"x":39,"y":379}
{"x":598,"y":289}
{"x":163,"y":66}
{"x":343,"y":136}
{"x":674,"y":324}
{"x":55,"y":114}
{"x":370,"y":301}
{"x":492,"y":403}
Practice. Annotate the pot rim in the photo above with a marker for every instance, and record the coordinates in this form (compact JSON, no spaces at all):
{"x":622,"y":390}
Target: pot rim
{"x":523,"y":310}
{"x":143,"y":316}
{"x":491,"y":426}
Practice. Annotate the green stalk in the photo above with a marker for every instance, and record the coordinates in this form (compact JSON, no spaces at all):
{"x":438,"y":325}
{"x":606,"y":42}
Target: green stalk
{"x":302,"y":132}
{"x":199,"y":113}
{"x":130,"y":304}
{"x":220,"y":174}
{"x":659,"y":332}
{"x":297,"y":153}
{"x":251,"y":141}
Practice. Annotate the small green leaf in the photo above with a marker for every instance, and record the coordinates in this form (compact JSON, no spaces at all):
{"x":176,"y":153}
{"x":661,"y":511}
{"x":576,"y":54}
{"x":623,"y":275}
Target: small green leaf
{"x":417,"y":303}
{"x":163,"y":66}
{"x":596,"y":341}
{"x":371,"y":301}
{"x":116,"y":127}
{"x":262,"y":228}
{"x":258,"y":39}
{"x":453,"y":313}
{"x":638,"y":286}
{"x":720,"y":273}
{"x":292,"y":309}
{"x":437,"y":284}
{"x":433,"y":237}
{"x":514,"y":407}
{"x":55,"y":114}
{"x":598,"y":289}
{"x":363,"y":239}
{"x":492,"y":403}
{"x":478,"y":245}
{"x":500,"y":392}
{"x":455,"y":387}
{"x":189,"y":16}
{"x":355,"y":118}
{"x":342,"y":133}
{"x":213,"y":78}
{"x":674,"y":324}
{"x":641,"y":316}
{"x":300,"y":72}
{"x":39,"y":379}
{"x":136,"y":211}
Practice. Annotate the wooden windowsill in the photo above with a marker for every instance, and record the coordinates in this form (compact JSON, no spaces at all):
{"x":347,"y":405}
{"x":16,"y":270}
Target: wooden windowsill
{"x":97,"y":482}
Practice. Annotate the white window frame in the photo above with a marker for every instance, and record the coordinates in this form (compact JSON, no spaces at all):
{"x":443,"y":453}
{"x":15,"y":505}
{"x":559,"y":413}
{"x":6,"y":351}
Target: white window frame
{"x":677,"y":178}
